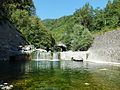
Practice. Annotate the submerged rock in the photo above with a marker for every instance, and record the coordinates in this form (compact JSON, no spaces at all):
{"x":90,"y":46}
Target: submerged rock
{"x":5,"y":86}
{"x":87,"y":84}
{"x":104,"y":69}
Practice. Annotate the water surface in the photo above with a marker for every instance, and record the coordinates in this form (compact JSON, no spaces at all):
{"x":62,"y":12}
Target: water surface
{"x":60,"y":75}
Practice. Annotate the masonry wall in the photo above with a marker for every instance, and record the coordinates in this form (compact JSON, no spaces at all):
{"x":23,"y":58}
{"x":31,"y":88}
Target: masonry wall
{"x":106,"y":47}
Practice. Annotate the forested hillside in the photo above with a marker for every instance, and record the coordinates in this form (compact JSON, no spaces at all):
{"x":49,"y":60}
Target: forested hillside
{"x":21,"y":13}
{"x":76,"y":31}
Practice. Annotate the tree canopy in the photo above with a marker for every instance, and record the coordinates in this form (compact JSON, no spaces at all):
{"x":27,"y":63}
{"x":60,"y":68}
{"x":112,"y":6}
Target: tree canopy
{"x":75,"y":30}
{"x":22,"y":14}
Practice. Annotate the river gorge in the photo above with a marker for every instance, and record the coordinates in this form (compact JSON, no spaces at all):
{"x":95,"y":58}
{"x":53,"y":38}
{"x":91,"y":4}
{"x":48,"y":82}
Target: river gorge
{"x":56,"y":71}
{"x":66,"y":45}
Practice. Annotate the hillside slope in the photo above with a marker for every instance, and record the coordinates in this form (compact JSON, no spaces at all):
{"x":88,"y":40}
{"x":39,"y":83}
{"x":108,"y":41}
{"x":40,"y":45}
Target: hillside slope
{"x":65,"y":29}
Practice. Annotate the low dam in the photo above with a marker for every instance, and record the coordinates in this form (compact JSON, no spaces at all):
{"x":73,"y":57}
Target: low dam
{"x":68,"y":55}
{"x":106,"y":48}
{"x":38,"y":55}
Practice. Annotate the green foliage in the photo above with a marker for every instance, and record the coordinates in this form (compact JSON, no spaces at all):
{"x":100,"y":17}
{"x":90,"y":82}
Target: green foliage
{"x":81,"y":38}
{"x":84,"y":16}
{"x":108,"y":17}
{"x":75,"y":30}
{"x":22,"y":14}
{"x":67,"y":29}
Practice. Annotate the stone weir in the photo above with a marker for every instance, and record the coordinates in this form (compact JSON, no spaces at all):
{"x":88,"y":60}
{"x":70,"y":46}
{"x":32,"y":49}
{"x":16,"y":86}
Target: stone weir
{"x":10,"y":39}
{"x":106,"y":48}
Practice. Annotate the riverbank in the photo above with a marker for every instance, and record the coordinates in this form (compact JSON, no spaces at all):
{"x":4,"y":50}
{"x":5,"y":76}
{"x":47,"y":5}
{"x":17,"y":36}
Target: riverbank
{"x":103,"y":62}
{"x":16,"y":55}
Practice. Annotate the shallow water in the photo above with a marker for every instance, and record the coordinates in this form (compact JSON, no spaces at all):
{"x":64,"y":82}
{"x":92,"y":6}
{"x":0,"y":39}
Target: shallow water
{"x":60,"y":75}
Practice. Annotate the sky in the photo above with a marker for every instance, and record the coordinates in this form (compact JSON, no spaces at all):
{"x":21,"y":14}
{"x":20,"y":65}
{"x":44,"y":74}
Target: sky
{"x":52,"y":9}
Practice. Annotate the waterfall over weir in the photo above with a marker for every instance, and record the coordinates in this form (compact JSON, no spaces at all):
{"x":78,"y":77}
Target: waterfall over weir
{"x":52,"y":56}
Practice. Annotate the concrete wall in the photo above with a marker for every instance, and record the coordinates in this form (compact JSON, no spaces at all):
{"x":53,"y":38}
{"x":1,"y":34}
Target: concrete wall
{"x":106,"y":47}
{"x":77,"y":55}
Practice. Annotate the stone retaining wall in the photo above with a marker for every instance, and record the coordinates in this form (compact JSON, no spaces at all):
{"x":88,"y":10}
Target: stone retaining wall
{"x":106,"y":47}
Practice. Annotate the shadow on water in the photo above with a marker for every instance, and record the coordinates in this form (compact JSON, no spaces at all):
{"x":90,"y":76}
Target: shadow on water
{"x":60,"y":75}
{"x":11,"y":70}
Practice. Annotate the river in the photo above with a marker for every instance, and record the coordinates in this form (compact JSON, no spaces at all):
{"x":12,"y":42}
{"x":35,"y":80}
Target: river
{"x":60,"y":75}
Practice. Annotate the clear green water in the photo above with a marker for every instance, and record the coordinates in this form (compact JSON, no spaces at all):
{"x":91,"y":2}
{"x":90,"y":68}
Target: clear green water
{"x":60,"y":75}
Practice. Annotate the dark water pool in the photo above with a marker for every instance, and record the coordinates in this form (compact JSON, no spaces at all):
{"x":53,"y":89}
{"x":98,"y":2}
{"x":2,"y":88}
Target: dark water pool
{"x":60,"y":75}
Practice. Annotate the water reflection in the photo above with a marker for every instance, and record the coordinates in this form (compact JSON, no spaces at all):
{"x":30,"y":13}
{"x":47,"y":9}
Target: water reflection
{"x":17,"y":68}
{"x":64,"y":75}
{"x":11,"y":70}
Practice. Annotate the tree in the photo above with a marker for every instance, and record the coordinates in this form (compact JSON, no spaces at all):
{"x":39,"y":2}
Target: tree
{"x":22,"y":14}
{"x":85,"y":15}
{"x":111,"y":14}
{"x":82,"y":38}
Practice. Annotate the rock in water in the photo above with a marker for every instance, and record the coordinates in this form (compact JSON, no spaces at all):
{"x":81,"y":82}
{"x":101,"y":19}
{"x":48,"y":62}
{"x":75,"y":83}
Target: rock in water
{"x":87,"y":84}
